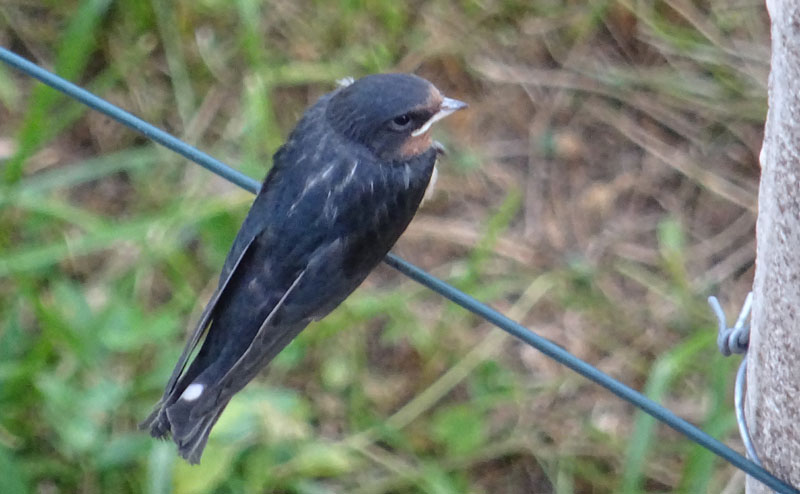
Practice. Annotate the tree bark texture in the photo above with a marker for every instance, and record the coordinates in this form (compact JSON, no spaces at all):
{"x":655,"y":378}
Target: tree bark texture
{"x":773,"y":377}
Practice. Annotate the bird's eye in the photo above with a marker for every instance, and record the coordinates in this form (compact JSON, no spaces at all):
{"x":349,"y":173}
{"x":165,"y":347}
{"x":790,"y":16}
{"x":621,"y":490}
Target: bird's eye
{"x":401,"y":122}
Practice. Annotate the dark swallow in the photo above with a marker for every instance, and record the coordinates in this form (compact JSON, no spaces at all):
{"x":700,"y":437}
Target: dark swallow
{"x":340,"y":192}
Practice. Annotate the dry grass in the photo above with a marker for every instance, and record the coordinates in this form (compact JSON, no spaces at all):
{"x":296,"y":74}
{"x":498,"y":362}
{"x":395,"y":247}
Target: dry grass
{"x":602,"y":184}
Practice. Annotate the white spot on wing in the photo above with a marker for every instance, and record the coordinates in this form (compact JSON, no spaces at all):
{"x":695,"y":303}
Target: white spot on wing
{"x":321,"y":145}
{"x":407,"y":175}
{"x":348,"y":178}
{"x":253,"y":285}
{"x":352,"y":172}
{"x":192,"y":392}
{"x":330,"y":210}
{"x":311,"y":183}
{"x":327,"y":172}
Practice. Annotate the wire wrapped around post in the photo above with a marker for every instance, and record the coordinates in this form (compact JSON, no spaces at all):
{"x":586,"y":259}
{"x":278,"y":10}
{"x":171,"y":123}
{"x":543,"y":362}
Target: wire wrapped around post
{"x":731,"y":341}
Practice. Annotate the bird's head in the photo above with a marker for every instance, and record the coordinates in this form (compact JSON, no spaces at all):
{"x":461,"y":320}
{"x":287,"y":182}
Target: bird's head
{"x":390,"y":114}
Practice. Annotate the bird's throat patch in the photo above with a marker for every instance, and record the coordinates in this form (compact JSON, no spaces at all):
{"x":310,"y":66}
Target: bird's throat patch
{"x":416,"y":145}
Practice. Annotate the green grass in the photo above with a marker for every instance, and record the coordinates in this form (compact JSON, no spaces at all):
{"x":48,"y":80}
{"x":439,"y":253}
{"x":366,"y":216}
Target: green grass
{"x":600,"y":186}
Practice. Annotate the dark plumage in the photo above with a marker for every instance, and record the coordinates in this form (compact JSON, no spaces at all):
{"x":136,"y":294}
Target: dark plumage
{"x":340,"y":192}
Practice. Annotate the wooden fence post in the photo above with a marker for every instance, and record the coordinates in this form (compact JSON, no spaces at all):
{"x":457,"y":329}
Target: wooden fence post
{"x":773,"y":374}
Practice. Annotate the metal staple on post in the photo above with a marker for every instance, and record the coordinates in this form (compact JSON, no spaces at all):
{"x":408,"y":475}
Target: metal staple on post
{"x":467,"y":302}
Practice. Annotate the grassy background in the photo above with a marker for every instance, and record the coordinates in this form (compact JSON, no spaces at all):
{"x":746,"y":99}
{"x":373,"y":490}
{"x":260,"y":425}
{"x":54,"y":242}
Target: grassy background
{"x":602,"y":184}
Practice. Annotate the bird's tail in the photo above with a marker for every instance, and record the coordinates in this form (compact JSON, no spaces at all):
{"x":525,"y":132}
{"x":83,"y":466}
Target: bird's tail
{"x":188,"y":428}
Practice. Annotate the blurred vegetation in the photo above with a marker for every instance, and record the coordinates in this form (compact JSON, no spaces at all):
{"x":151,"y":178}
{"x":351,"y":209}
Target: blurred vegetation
{"x":601,"y":185}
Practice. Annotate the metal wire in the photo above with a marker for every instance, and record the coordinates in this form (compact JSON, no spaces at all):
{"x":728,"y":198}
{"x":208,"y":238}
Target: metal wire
{"x":467,"y":302}
{"x":736,"y":340}
{"x":134,"y":122}
{"x":738,"y":402}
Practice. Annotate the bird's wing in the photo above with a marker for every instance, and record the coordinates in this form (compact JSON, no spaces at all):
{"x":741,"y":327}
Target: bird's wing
{"x":260,"y":344}
{"x":203,"y":323}
{"x":191,"y":417}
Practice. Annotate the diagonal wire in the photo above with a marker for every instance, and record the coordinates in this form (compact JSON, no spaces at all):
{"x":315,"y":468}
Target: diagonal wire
{"x":467,"y":302}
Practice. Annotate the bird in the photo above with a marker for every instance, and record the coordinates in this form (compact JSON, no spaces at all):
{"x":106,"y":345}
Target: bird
{"x":340,"y":192}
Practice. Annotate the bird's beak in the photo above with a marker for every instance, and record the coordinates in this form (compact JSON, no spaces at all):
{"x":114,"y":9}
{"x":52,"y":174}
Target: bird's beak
{"x":448,"y":106}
